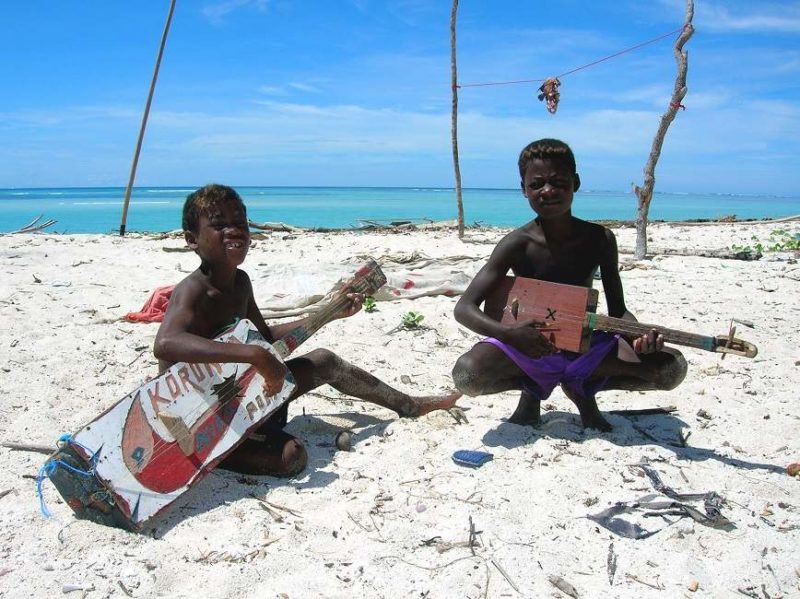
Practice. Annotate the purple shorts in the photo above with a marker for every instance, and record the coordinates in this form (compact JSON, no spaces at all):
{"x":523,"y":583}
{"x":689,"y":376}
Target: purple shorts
{"x":563,"y":367}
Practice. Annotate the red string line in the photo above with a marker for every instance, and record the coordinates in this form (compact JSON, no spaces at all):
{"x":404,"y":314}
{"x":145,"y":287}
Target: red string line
{"x":586,"y":66}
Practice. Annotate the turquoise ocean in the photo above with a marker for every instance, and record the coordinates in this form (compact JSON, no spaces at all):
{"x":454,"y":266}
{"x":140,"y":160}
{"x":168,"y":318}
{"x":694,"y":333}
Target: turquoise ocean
{"x":156,"y":209}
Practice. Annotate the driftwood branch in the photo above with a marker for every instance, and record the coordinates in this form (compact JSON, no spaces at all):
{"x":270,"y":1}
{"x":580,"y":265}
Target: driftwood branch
{"x":47,"y":449}
{"x":644,"y":193}
{"x":35,"y":225}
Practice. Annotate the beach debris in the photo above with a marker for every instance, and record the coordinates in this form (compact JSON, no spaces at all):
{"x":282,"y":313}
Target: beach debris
{"x":650,"y":505}
{"x":701,"y":413}
{"x":35,"y":225}
{"x":472,"y":541}
{"x":124,"y":588}
{"x":693,"y":586}
{"x":562,"y":585}
{"x":458,"y":415}
{"x":344,"y":441}
{"x":71,"y":588}
{"x":506,"y":576}
{"x":550,"y":94}
{"x":611,"y":564}
{"x":36,"y":279}
{"x":658,"y":586}
{"x":793,"y":469}
{"x":27,"y":447}
{"x":645,"y":411}
{"x":475,"y":459}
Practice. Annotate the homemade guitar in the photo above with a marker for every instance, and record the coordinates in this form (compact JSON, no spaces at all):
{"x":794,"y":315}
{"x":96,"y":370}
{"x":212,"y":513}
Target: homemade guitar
{"x":568,"y":314}
{"x":157,"y":442}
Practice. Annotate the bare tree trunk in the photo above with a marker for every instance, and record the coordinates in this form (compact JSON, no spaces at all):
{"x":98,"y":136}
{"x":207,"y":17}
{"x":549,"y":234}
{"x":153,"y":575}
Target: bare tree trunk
{"x":644,"y":193}
{"x":454,"y":118}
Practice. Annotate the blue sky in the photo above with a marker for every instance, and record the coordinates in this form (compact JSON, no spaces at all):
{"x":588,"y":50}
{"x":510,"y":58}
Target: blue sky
{"x":357,"y":92}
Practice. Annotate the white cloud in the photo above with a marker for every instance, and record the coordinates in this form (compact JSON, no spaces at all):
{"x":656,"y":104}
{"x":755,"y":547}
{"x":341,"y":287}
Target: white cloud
{"x":305,"y":87}
{"x":763,"y":17}
{"x":217,"y":10}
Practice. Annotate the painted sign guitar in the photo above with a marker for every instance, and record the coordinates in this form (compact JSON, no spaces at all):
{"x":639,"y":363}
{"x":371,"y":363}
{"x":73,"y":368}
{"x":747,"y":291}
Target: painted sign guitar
{"x":152,"y":446}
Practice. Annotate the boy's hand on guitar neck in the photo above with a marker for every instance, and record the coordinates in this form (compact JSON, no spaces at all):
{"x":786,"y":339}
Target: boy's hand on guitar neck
{"x":527,"y":338}
{"x":356,"y":301}
{"x":649,"y":343}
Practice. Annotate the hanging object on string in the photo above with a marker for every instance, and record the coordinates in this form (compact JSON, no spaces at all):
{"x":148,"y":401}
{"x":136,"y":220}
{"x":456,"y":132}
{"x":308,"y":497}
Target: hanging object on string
{"x":550,"y":94}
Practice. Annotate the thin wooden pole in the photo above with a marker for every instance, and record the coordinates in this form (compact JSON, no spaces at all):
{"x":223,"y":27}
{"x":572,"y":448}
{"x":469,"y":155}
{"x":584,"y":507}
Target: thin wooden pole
{"x":143,"y":126}
{"x":454,"y":118}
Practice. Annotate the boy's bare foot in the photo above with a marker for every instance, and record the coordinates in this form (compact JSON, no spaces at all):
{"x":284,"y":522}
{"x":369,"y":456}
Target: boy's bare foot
{"x":528,"y":410}
{"x":279,"y":454}
{"x":587,"y":408}
{"x":430,"y":403}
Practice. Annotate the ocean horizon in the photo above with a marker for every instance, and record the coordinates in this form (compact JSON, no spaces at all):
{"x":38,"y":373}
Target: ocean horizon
{"x":158,"y":208}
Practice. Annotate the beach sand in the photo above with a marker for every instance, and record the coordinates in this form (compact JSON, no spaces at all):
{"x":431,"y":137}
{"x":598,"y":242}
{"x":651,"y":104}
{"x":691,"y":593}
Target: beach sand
{"x":392,"y":517}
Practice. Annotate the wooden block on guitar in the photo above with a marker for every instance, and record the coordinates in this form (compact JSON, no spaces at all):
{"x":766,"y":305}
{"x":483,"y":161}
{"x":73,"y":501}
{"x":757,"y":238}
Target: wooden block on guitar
{"x":561,"y":308}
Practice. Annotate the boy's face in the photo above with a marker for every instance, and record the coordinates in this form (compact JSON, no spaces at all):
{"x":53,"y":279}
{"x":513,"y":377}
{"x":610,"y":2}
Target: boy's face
{"x":549,"y":187}
{"x":223,"y":235}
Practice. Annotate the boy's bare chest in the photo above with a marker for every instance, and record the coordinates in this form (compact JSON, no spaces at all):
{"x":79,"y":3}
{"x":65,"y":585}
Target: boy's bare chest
{"x":215,"y":312}
{"x":572,"y":263}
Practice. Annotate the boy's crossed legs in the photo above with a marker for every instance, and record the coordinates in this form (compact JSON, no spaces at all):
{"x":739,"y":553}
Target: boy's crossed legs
{"x":282,"y":454}
{"x":487,"y":369}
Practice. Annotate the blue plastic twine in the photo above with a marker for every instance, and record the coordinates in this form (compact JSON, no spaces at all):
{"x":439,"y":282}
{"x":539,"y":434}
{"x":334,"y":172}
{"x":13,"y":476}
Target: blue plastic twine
{"x":50,"y":466}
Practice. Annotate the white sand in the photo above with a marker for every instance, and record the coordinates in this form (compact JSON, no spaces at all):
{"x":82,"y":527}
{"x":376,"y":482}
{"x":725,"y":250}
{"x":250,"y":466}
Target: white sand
{"x":360,"y":519}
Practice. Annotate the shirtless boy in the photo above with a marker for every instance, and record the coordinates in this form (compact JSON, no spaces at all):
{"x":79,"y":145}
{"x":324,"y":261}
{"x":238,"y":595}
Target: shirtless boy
{"x":556,"y":247}
{"x":217,"y":294}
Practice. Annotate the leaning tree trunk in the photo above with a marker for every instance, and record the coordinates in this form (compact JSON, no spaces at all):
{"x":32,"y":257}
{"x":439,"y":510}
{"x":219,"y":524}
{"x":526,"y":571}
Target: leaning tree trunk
{"x":454,"y":118}
{"x":644,"y":193}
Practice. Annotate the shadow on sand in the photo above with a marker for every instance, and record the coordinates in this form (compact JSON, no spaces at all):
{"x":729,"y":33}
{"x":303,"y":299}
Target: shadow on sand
{"x":665,"y":430}
{"x":317,"y":432}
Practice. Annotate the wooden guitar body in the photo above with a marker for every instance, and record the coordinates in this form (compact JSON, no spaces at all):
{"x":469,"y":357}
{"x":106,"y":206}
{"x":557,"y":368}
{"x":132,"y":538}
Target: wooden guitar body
{"x":562,"y":309}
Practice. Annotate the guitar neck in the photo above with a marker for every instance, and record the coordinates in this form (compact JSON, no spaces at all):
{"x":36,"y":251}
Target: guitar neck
{"x":636,"y":329}
{"x":367,"y":280}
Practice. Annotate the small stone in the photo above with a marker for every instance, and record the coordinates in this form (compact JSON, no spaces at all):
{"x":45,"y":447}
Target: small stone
{"x":693,"y":586}
{"x":793,"y":469}
{"x":344,"y":441}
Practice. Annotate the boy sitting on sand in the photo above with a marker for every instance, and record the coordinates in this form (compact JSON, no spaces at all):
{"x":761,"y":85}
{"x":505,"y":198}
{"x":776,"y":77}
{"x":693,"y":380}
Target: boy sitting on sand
{"x":217,"y":294}
{"x":556,"y":247}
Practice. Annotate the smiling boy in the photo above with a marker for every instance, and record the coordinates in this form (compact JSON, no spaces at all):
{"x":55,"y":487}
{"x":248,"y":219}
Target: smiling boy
{"x":219,"y":293}
{"x":557,"y":247}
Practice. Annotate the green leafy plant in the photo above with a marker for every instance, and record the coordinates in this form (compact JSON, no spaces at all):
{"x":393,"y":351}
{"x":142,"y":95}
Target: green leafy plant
{"x":780,"y":240}
{"x":370,"y":305}
{"x":412,"y":319}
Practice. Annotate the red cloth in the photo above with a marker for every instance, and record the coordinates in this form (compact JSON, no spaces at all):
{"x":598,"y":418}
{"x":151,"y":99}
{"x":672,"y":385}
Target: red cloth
{"x":154,"y":308}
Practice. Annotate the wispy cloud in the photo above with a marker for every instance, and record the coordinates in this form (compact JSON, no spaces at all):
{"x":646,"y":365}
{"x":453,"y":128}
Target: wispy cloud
{"x":759,"y":17}
{"x":216,"y":11}
{"x":304,"y":87}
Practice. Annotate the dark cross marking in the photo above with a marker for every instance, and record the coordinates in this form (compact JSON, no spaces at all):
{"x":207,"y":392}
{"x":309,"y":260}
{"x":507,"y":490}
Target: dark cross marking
{"x":550,"y":314}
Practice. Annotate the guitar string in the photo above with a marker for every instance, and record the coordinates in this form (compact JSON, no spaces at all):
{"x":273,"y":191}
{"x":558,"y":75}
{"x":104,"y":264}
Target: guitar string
{"x":316,"y":321}
{"x":622,"y":326}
